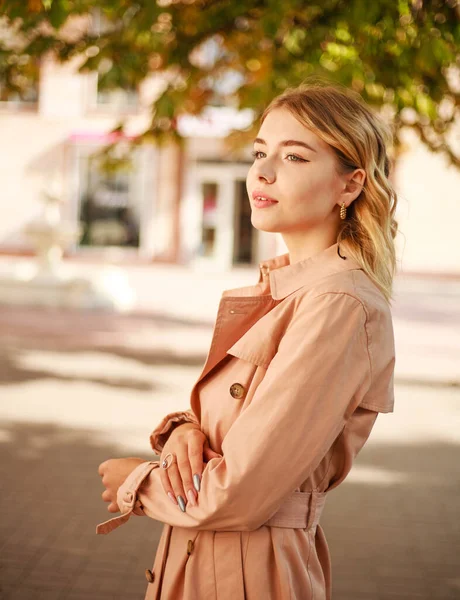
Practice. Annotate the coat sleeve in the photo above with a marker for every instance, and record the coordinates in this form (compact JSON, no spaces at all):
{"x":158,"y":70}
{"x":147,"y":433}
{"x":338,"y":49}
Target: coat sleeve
{"x":312,"y":386}
{"x":163,"y":430}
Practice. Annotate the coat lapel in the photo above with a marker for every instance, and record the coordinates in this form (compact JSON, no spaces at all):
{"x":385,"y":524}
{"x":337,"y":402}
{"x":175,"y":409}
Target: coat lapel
{"x":234,"y":318}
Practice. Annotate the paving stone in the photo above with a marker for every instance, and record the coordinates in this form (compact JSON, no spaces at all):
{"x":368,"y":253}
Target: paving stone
{"x":392,"y":526}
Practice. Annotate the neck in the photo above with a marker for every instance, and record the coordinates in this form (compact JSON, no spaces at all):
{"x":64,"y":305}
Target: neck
{"x":301,"y":246}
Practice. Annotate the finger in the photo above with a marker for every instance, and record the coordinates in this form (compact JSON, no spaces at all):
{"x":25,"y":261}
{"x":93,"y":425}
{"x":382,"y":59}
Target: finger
{"x":102,"y":468}
{"x":185,"y":471}
{"x":209,"y":453}
{"x":164,"y":477}
{"x":176,"y":482}
{"x":195,"y":453}
{"x":113,"y":507}
{"x":106,"y":496}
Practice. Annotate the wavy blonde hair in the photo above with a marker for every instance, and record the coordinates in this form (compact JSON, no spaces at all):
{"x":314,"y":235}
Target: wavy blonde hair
{"x":359,"y":139}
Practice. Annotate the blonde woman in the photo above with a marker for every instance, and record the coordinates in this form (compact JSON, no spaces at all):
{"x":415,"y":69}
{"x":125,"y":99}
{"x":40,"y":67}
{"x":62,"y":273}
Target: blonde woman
{"x":299,"y":367}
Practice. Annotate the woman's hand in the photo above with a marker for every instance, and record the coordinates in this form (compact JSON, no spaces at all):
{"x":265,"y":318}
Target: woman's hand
{"x":113,"y":472}
{"x":182,"y":479}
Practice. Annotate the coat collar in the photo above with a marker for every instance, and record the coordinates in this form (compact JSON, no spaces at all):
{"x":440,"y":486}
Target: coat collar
{"x":286,"y":278}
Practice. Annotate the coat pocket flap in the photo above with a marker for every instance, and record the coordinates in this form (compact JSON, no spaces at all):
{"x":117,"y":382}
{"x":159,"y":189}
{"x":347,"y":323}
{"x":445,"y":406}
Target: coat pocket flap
{"x":254,"y":347}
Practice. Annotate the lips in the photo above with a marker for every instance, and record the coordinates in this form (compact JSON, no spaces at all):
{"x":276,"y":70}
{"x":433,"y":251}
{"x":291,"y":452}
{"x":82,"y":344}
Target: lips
{"x":262,"y":200}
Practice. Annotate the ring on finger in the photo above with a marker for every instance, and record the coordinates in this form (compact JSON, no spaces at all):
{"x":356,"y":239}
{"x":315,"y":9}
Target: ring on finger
{"x":165,"y":465}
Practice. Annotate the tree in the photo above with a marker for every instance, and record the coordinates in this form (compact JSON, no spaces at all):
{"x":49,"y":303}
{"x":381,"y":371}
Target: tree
{"x":402,"y":56}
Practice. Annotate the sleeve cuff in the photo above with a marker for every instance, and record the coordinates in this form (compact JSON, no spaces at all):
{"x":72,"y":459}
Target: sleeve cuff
{"x":127,"y":497}
{"x":161,"y":433}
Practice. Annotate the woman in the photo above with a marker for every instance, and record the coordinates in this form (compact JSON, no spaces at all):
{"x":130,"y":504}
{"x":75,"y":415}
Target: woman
{"x":299,"y":367}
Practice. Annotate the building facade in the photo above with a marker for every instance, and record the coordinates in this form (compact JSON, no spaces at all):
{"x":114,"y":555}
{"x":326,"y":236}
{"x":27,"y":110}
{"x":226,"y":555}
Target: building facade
{"x":188,"y":206}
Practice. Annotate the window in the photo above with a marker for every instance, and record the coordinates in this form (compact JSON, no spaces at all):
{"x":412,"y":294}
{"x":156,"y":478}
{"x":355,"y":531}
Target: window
{"x":109,"y":206}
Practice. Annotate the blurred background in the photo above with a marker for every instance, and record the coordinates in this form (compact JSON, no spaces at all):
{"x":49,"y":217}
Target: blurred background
{"x":125,"y":137}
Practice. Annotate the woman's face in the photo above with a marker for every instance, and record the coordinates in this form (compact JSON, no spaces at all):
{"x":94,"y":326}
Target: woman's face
{"x":303,"y":179}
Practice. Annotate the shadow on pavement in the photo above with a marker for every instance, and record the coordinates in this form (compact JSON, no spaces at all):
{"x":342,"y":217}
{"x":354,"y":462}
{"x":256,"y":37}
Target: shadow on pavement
{"x":51,"y":504}
{"x":393,"y":528}
{"x":146,"y":340}
{"x":12,"y":371}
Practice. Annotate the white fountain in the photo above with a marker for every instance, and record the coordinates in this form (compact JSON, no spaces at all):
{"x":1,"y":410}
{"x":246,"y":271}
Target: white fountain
{"x":49,"y":282}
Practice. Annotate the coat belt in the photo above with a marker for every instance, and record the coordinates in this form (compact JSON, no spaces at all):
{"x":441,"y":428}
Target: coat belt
{"x":300,"y":510}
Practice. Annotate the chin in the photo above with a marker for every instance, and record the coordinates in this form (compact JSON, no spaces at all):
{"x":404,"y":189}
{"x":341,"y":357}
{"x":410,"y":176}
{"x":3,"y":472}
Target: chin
{"x":264,"y":224}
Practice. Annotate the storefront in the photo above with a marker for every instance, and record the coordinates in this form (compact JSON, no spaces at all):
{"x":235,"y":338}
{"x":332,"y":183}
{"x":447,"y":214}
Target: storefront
{"x":115,"y":207}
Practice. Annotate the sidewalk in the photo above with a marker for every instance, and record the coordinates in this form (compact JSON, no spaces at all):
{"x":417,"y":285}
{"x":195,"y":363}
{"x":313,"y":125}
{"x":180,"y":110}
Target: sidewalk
{"x":78,"y":388}
{"x":426,"y":311}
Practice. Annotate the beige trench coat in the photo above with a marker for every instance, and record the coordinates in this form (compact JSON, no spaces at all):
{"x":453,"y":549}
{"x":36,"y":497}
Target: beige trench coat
{"x":298,"y":369}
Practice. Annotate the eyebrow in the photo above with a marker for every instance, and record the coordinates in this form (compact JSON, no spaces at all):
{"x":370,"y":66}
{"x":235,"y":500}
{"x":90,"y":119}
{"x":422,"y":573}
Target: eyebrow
{"x":287,"y":143}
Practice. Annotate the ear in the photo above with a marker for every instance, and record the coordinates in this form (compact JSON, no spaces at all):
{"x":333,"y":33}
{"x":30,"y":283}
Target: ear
{"x":353,"y":186}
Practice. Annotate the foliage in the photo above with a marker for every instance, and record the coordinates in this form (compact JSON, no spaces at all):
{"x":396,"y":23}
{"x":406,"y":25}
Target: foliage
{"x":401,"y":55}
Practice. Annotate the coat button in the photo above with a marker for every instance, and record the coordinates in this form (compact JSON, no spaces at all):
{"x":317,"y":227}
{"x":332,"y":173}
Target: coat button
{"x":149,"y":575}
{"x":237,"y":390}
{"x":265,"y":270}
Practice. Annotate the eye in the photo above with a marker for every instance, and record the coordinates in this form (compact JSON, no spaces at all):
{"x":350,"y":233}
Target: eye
{"x":294,"y":157}
{"x":297,"y":158}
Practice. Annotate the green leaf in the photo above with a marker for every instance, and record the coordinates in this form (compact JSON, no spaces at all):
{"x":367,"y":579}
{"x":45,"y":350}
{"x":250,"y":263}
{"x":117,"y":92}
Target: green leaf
{"x":388,"y":51}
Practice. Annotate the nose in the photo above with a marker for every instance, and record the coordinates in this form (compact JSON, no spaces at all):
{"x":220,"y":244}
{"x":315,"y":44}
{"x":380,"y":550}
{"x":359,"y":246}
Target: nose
{"x":266,"y":173}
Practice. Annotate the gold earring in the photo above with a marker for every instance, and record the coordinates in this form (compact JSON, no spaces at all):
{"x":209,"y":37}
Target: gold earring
{"x":343,"y":211}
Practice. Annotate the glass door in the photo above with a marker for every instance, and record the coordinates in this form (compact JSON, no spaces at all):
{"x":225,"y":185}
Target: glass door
{"x":225,"y":236}
{"x":209,"y":192}
{"x":244,"y":232}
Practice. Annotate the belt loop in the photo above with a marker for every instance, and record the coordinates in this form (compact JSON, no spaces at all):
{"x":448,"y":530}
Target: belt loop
{"x":317,"y":502}
{"x":312,"y":510}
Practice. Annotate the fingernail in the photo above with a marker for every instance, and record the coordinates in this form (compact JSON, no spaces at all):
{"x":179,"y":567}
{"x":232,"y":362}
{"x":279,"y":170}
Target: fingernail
{"x":181,"y":503}
{"x":191,"y":497}
{"x":171,"y":497}
{"x":196,"y":482}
